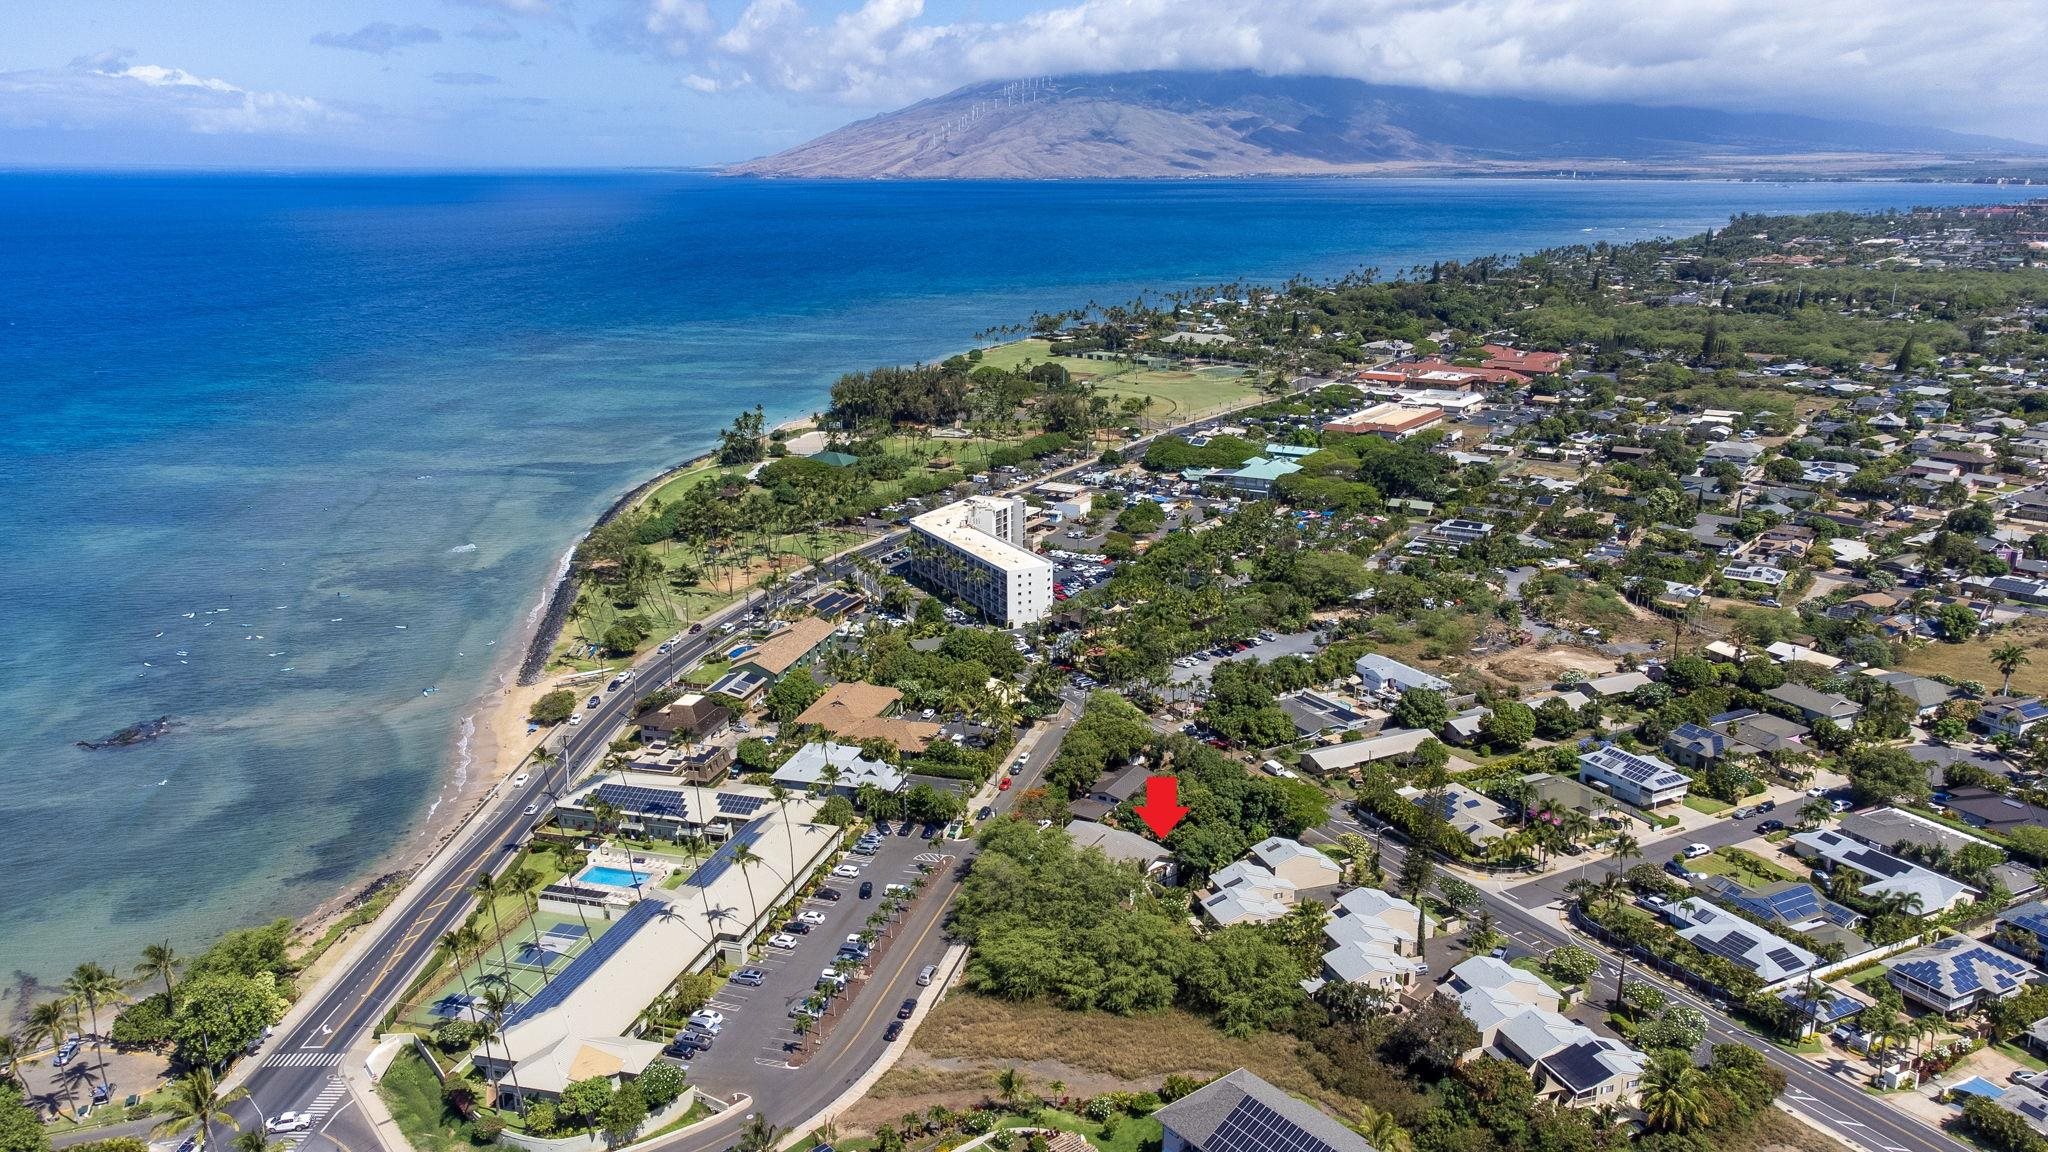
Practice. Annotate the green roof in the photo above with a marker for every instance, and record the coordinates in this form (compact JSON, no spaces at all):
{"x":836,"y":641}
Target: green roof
{"x":836,"y":459}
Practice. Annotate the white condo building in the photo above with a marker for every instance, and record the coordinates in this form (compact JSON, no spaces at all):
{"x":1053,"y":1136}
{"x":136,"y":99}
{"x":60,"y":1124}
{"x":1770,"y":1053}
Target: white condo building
{"x":975,"y":550}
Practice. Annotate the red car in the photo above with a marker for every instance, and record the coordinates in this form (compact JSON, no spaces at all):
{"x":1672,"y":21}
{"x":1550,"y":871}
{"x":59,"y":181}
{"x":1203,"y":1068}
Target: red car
{"x":1003,"y":785}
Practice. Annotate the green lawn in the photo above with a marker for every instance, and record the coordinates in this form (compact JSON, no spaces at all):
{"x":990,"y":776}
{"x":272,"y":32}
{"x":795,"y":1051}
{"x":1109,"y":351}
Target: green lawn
{"x":1533,"y":965}
{"x":1707,"y":804}
{"x":1748,"y":868}
{"x":1132,"y":1134}
{"x":1171,"y":393}
{"x":414,"y":1097}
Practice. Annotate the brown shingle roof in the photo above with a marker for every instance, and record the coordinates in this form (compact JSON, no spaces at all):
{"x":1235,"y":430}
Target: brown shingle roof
{"x":781,"y":652}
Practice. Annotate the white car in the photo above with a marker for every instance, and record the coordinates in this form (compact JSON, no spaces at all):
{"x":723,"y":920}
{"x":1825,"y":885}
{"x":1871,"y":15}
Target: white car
{"x":289,"y":1122}
{"x":782,"y":940}
{"x":709,"y":1019}
{"x":1695,"y":851}
{"x":846,"y":871}
{"x":520,"y":780}
{"x":811,"y":916}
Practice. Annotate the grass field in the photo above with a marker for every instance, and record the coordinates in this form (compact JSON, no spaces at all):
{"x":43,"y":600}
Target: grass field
{"x":1170,"y":394}
{"x":411,"y":1091}
{"x":1751,"y":870}
{"x":1972,"y":661}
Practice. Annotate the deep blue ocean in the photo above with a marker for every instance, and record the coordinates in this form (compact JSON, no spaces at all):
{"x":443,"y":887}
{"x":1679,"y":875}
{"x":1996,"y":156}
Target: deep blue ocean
{"x":279,"y":454}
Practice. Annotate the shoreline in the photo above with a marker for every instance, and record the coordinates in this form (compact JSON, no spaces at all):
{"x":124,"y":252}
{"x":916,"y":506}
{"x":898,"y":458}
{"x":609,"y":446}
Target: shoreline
{"x":490,"y":742}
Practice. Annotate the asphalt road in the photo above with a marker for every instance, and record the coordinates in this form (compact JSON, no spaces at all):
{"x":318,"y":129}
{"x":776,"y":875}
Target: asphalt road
{"x":1834,"y":1104}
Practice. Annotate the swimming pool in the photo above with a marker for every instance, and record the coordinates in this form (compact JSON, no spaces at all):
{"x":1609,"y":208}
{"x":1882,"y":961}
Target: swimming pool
{"x":614,"y":877}
{"x":1979,"y":1086}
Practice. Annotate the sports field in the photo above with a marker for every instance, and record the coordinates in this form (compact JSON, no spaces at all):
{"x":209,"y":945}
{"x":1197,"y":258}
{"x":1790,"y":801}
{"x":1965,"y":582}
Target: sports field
{"x":1170,"y":393}
{"x":533,"y":953}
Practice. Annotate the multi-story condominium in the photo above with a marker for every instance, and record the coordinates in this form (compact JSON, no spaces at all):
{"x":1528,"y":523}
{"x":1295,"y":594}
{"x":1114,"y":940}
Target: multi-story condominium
{"x":975,"y":550}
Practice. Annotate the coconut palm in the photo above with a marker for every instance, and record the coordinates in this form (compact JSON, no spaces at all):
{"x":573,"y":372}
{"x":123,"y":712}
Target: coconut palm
{"x":2008,"y":658}
{"x":90,"y":986}
{"x":487,"y":889}
{"x":498,"y":1001}
{"x":160,"y":961}
{"x":47,"y":1022}
{"x":1384,"y":1131}
{"x":196,"y":1101}
{"x":11,"y":1051}
{"x":461,"y":944}
{"x":1673,"y":1094}
{"x":1625,"y":848}
{"x":524,"y":880}
{"x":1010,"y":1085}
{"x":745,"y":858}
{"x":254,"y":1140}
{"x":780,"y":795}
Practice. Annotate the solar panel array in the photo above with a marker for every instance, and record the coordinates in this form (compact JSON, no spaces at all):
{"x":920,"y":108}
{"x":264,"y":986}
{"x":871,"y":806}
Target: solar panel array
{"x":834,"y":602}
{"x":721,"y":860}
{"x":586,"y":964}
{"x":1253,"y":1127}
{"x":739,"y":804}
{"x":641,"y":800}
{"x":1785,"y":958}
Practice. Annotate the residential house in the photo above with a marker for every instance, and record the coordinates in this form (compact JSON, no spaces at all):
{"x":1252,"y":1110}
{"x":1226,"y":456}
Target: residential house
{"x":1368,"y":915}
{"x":1150,"y":856}
{"x":1297,"y":863}
{"x":1478,"y":816}
{"x":688,"y":718}
{"x":1247,"y":892}
{"x":1238,"y":1112}
{"x":1957,"y":973}
{"x":2011,"y":716}
{"x":1643,"y":781}
{"x":1723,"y":933}
{"x":855,"y":712}
{"x":1388,"y":676}
{"x":1982,"y":808}
{"x":1338,"y":758}
{"x":1882,"y":873}
{"x":841,"y":768}
{"x":1817,"y":706}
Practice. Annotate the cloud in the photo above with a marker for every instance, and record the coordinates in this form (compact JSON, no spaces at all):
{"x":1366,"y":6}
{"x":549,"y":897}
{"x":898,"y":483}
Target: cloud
{"x":493,"y":31}
{"x":102,"y":89}
{"x":467,"y":79}
{"x":379,"y":39}
{"x":663,"y":28}
{"x":1884,"y":59}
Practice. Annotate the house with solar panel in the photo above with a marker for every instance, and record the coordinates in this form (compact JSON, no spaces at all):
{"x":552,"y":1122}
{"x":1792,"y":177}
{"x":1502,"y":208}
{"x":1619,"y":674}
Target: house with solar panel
{"x":1956,"y":974}
{"x":1793,"y":905}
{"x":1883,"y":874}
{"x":1479,"y":816}
{"x":1239,"y":1112}
{"x":2011,"y":716}
{"x":2023,"y":930}
{"x":1724,"y":934}
{"x":653,"y":807}
{"x":1642,"y":781}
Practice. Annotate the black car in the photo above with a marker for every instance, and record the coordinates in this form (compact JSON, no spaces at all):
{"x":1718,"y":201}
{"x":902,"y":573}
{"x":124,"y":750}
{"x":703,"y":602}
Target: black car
{"x":904,"y":1010}
{"x":1767,"y":806}
{"x":1771,"y":826}
{"x":987,"y":810}
{"x":798,"y":927}
{"x":682,"y":1048}
{"x":829,"y":893}
{"x":867,"y":889}
{"x":903,"y":829}
{"x":894,"y":1030}
{"x":930,"y":830}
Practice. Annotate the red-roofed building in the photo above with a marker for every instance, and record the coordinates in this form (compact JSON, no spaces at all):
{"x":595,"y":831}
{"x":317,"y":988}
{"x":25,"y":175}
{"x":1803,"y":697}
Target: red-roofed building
{"x":1516,"y":360}
{"x":1441,"y":374}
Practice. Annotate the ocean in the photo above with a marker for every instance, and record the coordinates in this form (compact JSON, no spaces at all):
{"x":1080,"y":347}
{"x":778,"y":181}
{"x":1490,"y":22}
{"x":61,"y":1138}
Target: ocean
{"x":288,"y":458}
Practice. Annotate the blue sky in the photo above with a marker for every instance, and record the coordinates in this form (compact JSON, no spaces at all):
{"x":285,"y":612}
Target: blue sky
{"x":518,"y":83}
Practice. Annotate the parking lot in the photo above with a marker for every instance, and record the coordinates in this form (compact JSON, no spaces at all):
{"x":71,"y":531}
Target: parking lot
{"x":759,"y":1025}
{"x":1196,"y":667}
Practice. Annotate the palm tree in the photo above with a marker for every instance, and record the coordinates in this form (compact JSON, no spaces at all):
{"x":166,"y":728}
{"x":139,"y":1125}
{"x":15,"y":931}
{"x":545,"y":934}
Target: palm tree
{"x":498,"y":1001}
{"x":1384,"y":1132}
{"x":90,"y":986}
{"x":159,"y":960}
{"x":1010,"y":1084}
{"x":460,"y":942}
{"x":759,"y":1135}
{"x":254,"y":1140}
{"x":746,"y":859}
{"x":1673,"y":1098}
{"x":196,"y":1101}
{"x":487,"y":889}
{"x":1625,"y":848}
{"x":11,"y":1052}
{"x":2008,"y":658}
{"x":780,"y":795}
{"x":523,"y":880}
{"x":48,"y":1021}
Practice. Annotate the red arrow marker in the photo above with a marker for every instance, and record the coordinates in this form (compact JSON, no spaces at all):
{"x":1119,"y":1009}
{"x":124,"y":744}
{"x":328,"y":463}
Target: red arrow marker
{"x":1162,"y":810}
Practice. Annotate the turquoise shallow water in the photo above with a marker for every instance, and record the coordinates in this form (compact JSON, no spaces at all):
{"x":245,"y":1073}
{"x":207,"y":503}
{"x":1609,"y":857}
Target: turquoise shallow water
{"x":287,"y":457}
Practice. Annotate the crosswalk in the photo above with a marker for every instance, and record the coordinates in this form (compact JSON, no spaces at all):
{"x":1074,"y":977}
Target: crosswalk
{"x":316,"y":1059}
{"x":317,"y":1111}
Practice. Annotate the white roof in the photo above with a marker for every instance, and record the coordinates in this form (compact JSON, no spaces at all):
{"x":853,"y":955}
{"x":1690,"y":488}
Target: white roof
{"x":807,"y":768}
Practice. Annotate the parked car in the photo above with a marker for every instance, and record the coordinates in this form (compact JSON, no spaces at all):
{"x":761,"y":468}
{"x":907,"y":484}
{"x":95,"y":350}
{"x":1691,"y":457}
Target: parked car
{"x":905,"y":1009}
{"x":1003,"y":785}
{"x":830,"y":894}
{"x":782,"y":940}
{"x":798,"y":927}
{"x":593,"y":702}
{"x":1695,"y":851}
{"x":1743,"y":813}
{"x":846,"y":871}
{"x":811,"y":916}
{"x":751,"y":977}
{"x":894,"y":1030}
{"x":1770,"y":826}
{"x":709,"y":1019}
{"x":987,"y":810}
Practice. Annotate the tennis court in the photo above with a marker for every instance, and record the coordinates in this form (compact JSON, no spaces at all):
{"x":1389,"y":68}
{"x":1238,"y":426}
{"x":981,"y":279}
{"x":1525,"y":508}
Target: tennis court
{"x":533,"y":953}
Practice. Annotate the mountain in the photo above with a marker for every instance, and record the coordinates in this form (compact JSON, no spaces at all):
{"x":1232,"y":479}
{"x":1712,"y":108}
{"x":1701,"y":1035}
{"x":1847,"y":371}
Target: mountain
{"x":1164,"y":124}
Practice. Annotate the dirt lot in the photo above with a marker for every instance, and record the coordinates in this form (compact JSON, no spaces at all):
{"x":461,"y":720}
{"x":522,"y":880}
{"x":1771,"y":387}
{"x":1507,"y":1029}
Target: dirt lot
{"x":1534,"y":668}
{"x":968,"y":1039}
